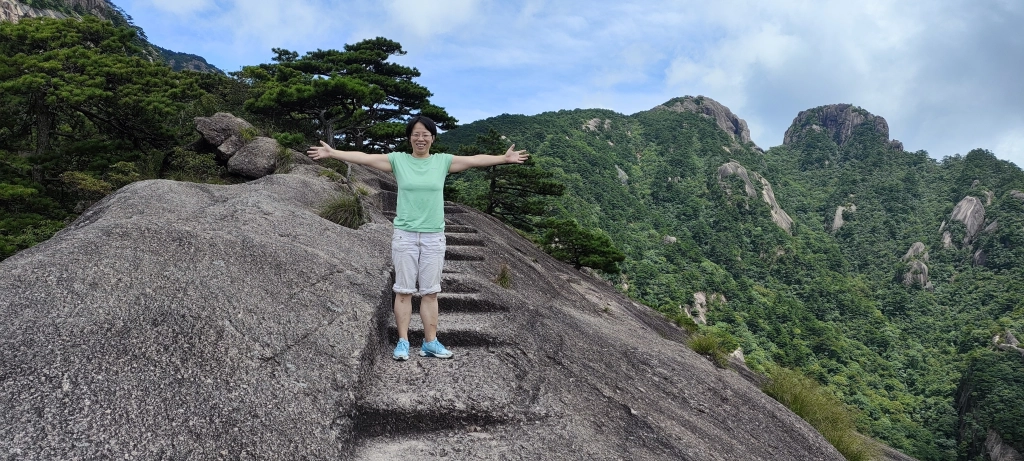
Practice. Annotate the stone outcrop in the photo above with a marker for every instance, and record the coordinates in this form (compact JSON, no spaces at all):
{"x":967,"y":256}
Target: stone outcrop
{"x":1017,"y":194}
{"x":177,"y":320}
{"x":724,"y":118}
{"x":779,"y":216}
{"x":621,"y":175}
{"x":971,"y":213}
{"x":838,"y":120}
{"x":837,"y":220}
{"x":917,"y":270}
{"x":14,"y":11}
{"x":998,"y":450}
{"x":701,"y":302}
{"x":596,"y":124}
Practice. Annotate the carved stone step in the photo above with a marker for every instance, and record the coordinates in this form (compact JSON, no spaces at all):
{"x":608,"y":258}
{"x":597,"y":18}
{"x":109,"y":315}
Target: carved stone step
{"x":462,"y":302}
{"x":459,"y":229}
{"x":463,"y":253}
{"x":463,"y":240}
{"x":457,"y":330}
{"x":478,"y":386}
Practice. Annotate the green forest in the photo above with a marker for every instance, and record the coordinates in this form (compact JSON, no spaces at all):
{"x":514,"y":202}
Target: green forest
{"x":639,"y":199}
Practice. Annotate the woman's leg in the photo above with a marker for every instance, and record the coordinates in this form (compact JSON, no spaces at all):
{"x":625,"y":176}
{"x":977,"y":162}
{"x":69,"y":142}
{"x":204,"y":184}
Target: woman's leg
{"x":428,"y":315}
{"x":403,"y":313}
{"x":405,"y":257}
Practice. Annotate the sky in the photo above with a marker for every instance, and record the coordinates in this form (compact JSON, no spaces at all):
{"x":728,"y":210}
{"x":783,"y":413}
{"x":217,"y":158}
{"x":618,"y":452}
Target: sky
{"x":946,"y":75}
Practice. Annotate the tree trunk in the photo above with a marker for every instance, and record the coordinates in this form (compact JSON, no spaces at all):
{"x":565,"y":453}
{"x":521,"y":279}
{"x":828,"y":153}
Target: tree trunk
{"x":44,"y":125}
{"x":490,"y":192}
{"x":328,"y":127}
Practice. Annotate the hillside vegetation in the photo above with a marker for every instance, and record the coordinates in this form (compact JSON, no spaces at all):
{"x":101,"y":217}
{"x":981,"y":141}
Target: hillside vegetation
{"x":917,"y":363}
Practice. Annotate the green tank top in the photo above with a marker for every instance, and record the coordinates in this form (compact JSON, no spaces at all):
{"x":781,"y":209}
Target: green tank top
{"x":420,"y":191}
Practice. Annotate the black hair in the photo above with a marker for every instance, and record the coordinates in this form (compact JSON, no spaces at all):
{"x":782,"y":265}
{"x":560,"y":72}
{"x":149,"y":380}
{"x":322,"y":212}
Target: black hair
{"x":426,"y":121}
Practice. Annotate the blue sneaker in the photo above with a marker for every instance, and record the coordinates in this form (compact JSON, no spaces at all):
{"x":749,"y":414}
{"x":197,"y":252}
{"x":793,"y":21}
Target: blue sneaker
{"x":435,"y":349}
{"x":401,"y":350}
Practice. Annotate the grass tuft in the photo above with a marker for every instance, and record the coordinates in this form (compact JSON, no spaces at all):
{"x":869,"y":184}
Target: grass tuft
{"x":823,"y":410}
{"x":711,"y":345}
{"x":344,"y":210}
{"x":504,"y":278}
{"x":248,"y":134}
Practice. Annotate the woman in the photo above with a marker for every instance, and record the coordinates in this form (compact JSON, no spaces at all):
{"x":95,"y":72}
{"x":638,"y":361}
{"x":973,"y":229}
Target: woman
{"x":418,"y":243}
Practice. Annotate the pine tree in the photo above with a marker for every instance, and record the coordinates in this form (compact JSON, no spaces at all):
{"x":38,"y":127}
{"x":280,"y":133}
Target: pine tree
{"x":516,"y":194}
{"x":354,"y":98}
{"x":569,"y":242}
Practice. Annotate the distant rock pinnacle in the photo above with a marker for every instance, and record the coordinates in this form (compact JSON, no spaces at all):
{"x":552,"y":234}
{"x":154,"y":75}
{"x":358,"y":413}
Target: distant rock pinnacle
{"x":726,"y":120}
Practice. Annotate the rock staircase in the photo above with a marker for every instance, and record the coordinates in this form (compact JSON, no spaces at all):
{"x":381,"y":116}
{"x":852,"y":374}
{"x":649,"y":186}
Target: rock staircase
{"x":424,"y":402}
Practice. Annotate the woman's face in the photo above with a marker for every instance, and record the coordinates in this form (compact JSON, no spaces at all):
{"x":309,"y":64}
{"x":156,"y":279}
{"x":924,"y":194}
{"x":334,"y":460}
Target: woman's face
{"x":421,"y":139}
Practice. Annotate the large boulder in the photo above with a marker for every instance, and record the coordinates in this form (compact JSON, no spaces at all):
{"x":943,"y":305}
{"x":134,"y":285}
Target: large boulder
{"x":223,"y":131}
{"x":264,"y":156}
{"x":971,"y":213}
{"x":185,"y":321}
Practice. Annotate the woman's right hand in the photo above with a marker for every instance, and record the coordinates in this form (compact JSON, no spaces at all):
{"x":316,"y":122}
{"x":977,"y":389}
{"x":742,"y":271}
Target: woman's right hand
{"x":319,"y":152}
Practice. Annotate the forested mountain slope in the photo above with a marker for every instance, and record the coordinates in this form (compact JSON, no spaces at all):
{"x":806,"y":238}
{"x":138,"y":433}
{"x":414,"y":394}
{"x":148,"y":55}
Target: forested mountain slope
{"x":889,"y":285}
{"x":15,"y":10}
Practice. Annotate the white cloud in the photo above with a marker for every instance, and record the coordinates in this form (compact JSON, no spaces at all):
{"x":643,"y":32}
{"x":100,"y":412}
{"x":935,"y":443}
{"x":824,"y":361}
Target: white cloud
{"x":426,"y":19}
{"x":944,"y":74}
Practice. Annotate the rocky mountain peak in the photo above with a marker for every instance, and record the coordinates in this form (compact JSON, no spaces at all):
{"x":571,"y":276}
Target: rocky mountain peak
{"x":726,"y":120}
{"x":14,"y":11}
{"x":839,"y":121}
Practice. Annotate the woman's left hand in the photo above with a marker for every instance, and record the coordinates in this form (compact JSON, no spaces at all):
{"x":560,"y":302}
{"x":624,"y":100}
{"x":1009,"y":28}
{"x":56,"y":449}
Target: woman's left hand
{"x":515,"y":156}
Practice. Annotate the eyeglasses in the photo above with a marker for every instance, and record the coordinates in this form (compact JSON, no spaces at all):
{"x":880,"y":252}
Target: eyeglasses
{"x":421,"y":136}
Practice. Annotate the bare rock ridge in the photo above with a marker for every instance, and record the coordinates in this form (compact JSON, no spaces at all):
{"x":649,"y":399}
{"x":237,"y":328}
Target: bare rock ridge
{"x":779,"y":216}
{"x":839,"y":121}
{"x":726,"y":120}
{"x":14,"y":11}
{"x":177,"y":320}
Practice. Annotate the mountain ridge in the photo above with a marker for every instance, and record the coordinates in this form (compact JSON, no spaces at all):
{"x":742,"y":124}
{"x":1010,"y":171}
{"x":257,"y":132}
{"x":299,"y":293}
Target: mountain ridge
{"x":841,"y":285}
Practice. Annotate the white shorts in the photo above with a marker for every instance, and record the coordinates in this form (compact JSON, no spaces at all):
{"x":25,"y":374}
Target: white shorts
{"x":419,"y":259}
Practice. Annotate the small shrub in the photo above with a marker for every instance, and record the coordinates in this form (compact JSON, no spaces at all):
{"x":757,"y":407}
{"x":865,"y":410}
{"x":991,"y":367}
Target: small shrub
{"x":714,"y":344}
{"x":685,"y":322}
{"x":123,"y":173}
{"x":344,"y":210}
{"x":504,"y":278}
{"x":822,"y":410}
{"x":291,"y":140}
{"x":192,"y":166}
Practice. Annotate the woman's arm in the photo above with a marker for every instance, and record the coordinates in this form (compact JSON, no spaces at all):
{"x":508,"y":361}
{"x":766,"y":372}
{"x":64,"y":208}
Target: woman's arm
{"x":484,"y":160}
{"x":377,"y":161}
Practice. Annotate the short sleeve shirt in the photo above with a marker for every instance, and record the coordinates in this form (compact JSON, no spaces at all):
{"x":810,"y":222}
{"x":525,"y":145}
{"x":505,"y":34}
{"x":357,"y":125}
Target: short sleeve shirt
{"x":420,"y":191}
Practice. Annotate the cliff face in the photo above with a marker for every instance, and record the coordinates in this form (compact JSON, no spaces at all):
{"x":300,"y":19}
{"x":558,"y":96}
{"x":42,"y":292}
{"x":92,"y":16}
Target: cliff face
{"x":14,"y":11}
{"x":176,"y":320}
